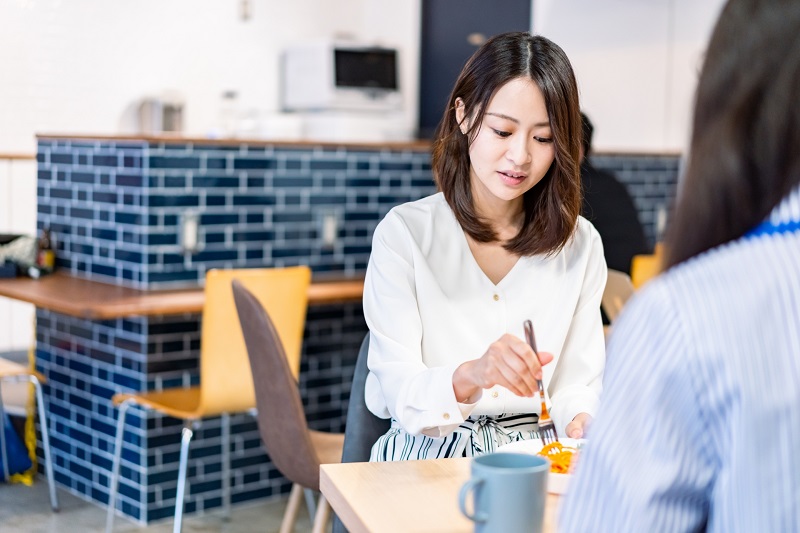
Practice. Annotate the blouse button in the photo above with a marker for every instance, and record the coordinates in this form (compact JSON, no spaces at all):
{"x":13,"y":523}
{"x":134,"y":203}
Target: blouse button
{"x":495,"y":394}
{"x":496,"y":297}
{"x":446,"y":416}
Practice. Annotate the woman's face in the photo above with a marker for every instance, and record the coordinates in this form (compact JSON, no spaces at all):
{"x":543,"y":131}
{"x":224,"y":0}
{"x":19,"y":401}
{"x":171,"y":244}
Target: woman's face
{"x":513,"y":148}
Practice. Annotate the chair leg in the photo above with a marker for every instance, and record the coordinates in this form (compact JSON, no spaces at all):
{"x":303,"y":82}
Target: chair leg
{"x":311,"y":503}
{"x":48,"y":458}
{"x":323,"y":515}
{"x":226,"y":466}
{"x":186,"y":437}
{"x":290,"y":515}
{"x":114,"y":484}
{"x":3,"y":452}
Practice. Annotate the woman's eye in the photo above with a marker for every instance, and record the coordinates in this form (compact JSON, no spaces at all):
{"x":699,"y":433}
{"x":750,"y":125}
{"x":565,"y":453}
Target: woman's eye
{"x":543,"y":139}
{"x":501,"y":133}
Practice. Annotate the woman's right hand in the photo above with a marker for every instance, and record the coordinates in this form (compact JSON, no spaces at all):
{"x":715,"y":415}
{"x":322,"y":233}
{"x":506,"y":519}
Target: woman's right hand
{"x":509,"y":362}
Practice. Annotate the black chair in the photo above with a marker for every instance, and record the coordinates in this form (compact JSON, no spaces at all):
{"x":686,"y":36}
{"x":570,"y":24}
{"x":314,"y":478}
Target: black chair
{"x":362,"y":428}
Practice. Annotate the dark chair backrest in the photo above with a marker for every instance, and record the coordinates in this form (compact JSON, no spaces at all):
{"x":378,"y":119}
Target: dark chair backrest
{"x":362,"y":428}
{"x":281,"y":419}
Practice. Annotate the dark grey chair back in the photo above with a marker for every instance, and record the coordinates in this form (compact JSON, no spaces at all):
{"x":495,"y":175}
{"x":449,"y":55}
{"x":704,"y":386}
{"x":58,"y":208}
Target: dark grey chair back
{"x":362,"y":428}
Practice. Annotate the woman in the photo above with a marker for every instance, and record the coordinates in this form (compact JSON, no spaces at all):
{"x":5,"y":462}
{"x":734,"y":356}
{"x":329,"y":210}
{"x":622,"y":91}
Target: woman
{"x":700,"y":424}
{"x":453,"y":276}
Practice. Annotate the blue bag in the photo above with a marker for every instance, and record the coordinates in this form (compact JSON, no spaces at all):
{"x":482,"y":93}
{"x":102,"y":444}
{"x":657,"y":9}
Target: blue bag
{"x":18,"y":459}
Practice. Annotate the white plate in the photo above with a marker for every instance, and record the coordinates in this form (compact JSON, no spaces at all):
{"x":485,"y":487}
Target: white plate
{"x":556,"y":483}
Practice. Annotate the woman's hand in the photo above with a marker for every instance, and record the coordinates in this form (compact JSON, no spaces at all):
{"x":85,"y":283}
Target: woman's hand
{"x":509,"y":362}
{"x":577,"y":428}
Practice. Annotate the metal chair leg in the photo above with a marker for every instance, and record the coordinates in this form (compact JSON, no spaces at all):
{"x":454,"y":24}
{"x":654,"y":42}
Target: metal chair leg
{"x":311,"y":502}
{"x":48,"y":458}
{"x":3,"y":452}
{"x":226,"y":466}
{"x":186,"y":437}
{"x":114,"y":485}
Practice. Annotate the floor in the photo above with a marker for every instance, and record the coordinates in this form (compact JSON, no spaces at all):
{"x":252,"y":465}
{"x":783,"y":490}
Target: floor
{"x":27,"y":509}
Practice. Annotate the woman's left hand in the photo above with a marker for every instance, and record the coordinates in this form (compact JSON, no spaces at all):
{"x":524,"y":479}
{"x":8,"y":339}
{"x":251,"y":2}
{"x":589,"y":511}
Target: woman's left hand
{"x":577,"y":428}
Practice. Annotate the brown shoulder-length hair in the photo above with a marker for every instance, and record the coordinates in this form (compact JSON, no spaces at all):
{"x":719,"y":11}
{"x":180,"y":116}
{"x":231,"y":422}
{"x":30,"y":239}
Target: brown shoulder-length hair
{"x":553,"y":205}
{"x":744,"y":155}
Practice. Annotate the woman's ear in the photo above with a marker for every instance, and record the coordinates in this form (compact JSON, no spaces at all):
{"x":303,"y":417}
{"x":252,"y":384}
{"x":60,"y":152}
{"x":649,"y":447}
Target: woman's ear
{"x":461,"y":113}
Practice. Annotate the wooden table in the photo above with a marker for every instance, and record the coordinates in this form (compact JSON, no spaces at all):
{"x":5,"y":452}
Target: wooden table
{"x":73,"y":296}
{"x":404,"y":496}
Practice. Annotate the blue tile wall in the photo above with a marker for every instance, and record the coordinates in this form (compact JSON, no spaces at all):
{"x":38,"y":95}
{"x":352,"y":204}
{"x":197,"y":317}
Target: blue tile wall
{"x":115,"y":208}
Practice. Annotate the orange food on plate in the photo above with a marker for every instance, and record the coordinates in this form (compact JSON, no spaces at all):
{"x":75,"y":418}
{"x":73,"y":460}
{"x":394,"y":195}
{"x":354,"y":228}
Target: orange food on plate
{"x":560,"y":456}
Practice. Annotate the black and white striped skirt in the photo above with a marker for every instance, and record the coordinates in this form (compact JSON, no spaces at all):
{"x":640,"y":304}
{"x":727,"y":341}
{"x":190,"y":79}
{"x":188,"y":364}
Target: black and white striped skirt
{"x":475,"y":436}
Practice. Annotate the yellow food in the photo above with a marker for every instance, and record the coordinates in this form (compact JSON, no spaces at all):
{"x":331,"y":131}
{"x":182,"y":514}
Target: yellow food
{"x":560,"y":456}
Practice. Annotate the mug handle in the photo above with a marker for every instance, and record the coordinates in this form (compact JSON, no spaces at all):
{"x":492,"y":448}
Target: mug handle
{"x":466,"y":488}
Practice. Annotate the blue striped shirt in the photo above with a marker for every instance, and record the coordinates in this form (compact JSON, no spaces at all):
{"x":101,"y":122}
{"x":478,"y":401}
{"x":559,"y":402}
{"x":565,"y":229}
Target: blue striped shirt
{"x":699,"y":422}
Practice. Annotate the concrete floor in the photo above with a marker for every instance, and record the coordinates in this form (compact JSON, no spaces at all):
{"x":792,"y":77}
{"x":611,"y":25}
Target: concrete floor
{"x":27,"y":509}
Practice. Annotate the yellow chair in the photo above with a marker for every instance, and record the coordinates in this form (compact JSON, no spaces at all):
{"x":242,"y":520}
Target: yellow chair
{"x":14,"y":373}
{"x":646,"y":266}
{"x":226,"y":383}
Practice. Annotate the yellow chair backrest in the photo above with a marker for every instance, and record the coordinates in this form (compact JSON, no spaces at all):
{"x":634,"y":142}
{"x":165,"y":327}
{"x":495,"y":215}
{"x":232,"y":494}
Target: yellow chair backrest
{"x":644,"y":267}
{"x":226,"y":383}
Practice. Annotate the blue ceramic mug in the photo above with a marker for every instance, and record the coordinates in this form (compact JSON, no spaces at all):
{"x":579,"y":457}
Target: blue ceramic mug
{"x":509,"y":492}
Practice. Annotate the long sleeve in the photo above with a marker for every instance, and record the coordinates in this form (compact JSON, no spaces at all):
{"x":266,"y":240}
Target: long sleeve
{"x":576,"y":383}
{"x":418,"y":396}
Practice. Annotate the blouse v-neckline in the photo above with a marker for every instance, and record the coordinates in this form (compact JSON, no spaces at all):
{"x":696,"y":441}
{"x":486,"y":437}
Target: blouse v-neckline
{"x":477,"y":265}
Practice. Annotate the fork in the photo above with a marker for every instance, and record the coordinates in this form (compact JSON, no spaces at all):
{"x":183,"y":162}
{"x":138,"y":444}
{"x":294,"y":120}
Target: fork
{"x":547,"y":429}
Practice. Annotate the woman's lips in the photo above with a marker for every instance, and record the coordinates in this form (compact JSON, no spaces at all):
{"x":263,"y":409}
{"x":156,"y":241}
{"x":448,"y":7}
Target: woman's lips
{"x":512,"y":178}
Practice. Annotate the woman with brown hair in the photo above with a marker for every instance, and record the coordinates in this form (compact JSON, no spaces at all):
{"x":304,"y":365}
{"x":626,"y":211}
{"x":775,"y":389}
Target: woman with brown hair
{"x":452,"y":277}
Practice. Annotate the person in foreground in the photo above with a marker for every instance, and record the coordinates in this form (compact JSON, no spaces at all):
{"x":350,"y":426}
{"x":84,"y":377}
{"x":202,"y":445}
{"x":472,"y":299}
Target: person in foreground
{"x":699,"y":425}
{"x":453,"y":276}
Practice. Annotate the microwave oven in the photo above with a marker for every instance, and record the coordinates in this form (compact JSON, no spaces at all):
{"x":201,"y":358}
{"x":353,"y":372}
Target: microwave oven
{"x":340,"y":77}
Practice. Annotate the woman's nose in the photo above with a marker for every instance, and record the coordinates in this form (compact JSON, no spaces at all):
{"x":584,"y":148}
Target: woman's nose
{"x":519,"y":152}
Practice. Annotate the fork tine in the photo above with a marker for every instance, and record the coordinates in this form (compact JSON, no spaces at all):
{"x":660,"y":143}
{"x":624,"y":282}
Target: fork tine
{"x":547,"y":429}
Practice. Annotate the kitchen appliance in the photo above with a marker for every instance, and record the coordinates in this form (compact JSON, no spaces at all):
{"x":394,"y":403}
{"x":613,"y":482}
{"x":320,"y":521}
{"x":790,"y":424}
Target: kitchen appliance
{"x":160,"y":115}
{"x":329,"y":76}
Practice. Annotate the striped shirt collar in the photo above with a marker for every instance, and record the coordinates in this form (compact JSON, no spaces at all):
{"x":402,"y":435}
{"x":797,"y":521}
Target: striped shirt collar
{"x":784,"y":218}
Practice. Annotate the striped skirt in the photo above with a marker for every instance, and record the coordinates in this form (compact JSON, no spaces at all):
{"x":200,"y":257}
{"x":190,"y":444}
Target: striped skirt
{"x":475,"y":436}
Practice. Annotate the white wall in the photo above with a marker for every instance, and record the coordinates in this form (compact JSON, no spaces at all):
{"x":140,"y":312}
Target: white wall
{"x":79,"y":66}
{"x":636,"y":64}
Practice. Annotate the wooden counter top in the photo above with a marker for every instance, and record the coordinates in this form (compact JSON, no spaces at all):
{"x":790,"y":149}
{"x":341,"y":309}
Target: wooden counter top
{"x":173,"y":138}
{"x":92,"y":300}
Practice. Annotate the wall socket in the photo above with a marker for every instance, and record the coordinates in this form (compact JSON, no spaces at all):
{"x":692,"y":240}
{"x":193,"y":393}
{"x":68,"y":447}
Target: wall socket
{"x":190,"y":229}
{"x":329,"y":229}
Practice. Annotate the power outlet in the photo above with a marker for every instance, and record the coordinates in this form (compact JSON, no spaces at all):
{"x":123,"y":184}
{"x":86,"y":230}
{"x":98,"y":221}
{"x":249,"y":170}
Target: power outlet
{"x":329,"y":231}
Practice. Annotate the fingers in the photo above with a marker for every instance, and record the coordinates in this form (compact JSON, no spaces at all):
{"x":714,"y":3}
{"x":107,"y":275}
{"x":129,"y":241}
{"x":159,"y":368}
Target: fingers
{"x":511,"y":363}
{"x":577,"y":428}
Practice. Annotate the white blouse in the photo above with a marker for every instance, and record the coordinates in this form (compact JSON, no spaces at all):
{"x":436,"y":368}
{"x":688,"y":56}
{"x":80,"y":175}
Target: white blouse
{"x":430,"y":307}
